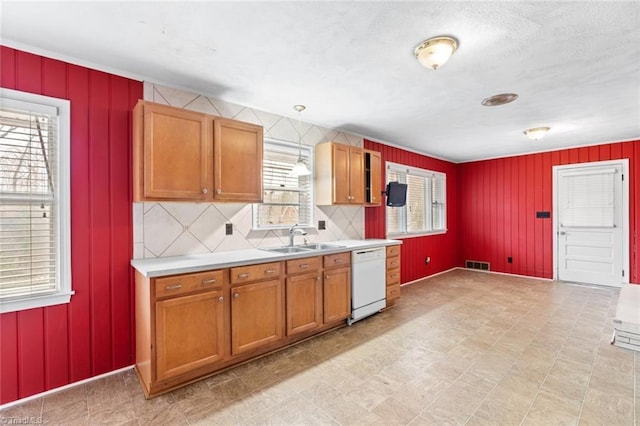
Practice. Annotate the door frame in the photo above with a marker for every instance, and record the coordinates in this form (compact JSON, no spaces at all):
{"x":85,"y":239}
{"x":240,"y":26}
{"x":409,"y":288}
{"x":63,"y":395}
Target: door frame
{"x":624,"y":162}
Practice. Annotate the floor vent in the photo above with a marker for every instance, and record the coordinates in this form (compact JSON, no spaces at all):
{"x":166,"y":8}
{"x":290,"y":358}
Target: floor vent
{"x":472,"y":264}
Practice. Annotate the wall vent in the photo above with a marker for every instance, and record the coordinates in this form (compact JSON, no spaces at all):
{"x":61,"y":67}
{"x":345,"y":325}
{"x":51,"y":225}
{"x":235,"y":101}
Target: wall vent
{"x":473,"y":264}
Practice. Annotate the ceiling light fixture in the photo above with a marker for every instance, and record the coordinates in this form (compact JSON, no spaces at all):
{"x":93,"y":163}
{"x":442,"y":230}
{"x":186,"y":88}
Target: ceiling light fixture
{"x":435,"y":52}
{"x":501,"y":99}
{"x":536,"y":133}
{"x":300,"y":168}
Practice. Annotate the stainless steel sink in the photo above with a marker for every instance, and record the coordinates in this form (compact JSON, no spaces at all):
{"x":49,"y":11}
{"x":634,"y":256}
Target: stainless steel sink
{"x":319,"y":246}
{"x":303,"y":248}
{"x":288,"y":249}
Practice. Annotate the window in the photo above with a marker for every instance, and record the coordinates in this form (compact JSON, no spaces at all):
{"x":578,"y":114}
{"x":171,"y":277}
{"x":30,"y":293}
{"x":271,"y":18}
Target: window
{"x":287,"y":199}
{"x":425,"y":212}
{"x":34,"y":201}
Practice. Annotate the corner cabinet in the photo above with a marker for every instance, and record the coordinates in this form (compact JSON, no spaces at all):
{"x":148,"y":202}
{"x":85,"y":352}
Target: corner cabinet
{"x":182,"y":155}
{"x":339,"y":174}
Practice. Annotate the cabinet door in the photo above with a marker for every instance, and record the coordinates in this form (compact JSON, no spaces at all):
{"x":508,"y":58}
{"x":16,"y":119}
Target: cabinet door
{"x":356,"y":175}
{"x":373,"y":178}
{"x":176,"y":154}
{"x":189,"y":333}
{"x":341,"y":181}
{"x":304,"y":302}
{"x":256,"y":315}
{"x":237,"y":161}
{"x":337,"y":294}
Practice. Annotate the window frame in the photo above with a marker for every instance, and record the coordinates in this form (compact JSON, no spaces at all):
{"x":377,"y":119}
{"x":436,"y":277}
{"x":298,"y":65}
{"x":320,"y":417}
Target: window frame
{"x":61,"y":199}
{"x":424,"y":173}
{"x":255,"y":226}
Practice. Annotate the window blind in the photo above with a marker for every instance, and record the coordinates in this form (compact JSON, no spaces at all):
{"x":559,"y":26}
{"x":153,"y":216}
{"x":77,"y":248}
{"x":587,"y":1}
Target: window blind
{"x":589,"y":199}
{"x":28,"y":200}
{"x":287,"y":199}
{"x":425,"y":210}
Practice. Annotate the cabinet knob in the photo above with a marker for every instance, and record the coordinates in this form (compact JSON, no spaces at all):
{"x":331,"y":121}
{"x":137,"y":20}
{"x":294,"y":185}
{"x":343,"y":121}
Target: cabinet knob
{"x":236,"y":295}
{"x":205,"y":190}
{"x":326,"y":277}
{"x":220,"y":299}
{"x":218,"y":191}
{"x":317,"y":278}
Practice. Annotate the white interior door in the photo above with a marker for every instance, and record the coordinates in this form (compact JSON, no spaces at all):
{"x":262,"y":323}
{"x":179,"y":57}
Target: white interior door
{"x":591,"y":227}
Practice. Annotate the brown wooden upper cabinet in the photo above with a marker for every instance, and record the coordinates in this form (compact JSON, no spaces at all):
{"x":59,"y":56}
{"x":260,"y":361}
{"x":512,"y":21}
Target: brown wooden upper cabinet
{"x":182,"y":155}
{"x":339,"y":174}
{"x":372,"y":178}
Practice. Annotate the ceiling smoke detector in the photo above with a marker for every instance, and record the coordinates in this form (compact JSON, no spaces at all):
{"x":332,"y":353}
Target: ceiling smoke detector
{"x":501,"y":99}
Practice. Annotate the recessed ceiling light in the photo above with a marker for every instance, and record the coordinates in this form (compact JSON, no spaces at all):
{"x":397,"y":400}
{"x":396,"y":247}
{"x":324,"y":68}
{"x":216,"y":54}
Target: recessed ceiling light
{"x":501,"y":99}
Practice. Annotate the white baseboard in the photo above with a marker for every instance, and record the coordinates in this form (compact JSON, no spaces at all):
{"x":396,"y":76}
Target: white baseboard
{"x":61,"y":388}
{"x":428,"y":276}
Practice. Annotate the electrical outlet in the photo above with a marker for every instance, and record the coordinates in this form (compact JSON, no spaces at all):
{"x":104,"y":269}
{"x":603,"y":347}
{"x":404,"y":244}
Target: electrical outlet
{"x":228,"y":228}
{"x":509,"y":259}
{"x":322,"y":224}
{"x":427,"y":260}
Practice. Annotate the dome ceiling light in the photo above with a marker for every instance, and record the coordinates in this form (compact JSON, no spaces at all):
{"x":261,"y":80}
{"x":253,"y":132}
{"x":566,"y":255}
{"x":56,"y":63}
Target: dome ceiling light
{"x":501,"y":99}
{"x":536,"y":133}
{"x":435,"y":52}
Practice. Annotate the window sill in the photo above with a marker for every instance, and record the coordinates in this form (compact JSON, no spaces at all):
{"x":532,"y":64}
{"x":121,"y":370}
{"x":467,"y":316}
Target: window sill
{"x":402,"y":235}
{"x":35,"y":302}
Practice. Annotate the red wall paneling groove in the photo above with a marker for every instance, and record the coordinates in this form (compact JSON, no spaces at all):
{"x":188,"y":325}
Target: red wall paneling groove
{"x":443,"y":248}
{"x":500,"y":198}
{"x":50,"y":347}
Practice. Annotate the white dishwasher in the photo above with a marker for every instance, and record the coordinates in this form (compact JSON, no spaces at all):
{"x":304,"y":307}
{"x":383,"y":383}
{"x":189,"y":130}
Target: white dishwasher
{"x":368,"y":282}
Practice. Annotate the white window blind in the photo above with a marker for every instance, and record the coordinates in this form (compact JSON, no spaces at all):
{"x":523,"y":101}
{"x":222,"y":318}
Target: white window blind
{"x":425,"y":210}
{"x":288,"y":200}
{"x":30,"y":221}
{"x":589,"y":198}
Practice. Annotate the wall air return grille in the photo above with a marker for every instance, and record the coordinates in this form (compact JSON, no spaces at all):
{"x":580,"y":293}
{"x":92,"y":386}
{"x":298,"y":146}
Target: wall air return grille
{"x":473,"y":264}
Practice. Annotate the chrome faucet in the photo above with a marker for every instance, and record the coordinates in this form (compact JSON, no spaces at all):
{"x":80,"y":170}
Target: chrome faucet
{"x":293,"y":231}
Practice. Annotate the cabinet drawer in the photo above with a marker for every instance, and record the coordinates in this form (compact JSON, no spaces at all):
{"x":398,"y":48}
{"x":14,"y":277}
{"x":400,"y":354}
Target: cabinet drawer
{"x":245,"y":274}
{"x":393,"y":263}
{"x":304,"y":265}
{"x":393,"y":292}
{"x":339,"y":259}
{"x":181,"y":284}
{"x":393,"y":251}
{"x":393,"y":277}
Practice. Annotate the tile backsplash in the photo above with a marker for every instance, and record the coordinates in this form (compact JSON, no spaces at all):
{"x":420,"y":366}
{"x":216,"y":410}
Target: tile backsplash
{"x":163,"y":229}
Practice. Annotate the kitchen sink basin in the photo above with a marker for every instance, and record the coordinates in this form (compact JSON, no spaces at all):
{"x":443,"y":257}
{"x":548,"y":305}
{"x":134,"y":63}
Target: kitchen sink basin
{"x":304,"y":248}
{"x":319,"y":246}
{"x":288,"y":249}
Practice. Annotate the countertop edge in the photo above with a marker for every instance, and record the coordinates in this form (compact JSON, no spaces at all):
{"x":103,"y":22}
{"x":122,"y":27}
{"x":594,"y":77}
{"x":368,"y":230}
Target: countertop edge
{"x":161,"y":267}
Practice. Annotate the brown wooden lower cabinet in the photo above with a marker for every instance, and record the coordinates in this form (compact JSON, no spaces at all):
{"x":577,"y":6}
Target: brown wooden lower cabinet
{"x":189,"y":333}
{"x":337,"y":294}
{"x":256,"y":315}
{"x":189,"y":326}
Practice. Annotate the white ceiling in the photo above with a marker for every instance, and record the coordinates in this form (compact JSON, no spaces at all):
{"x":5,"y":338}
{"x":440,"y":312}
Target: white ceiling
{"x":575,"y":65}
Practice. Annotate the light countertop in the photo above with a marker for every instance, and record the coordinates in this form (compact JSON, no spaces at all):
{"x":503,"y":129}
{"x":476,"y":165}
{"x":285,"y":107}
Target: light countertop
{"x":163,"y":266}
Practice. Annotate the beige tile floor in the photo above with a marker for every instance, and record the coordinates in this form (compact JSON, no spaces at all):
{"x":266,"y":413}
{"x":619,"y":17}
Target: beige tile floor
{"x":465,"y":347}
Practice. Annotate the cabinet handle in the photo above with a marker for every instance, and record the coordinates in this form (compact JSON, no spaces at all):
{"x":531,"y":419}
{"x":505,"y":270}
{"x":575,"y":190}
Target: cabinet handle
{"x":270,"y":271}
{"x":303,"y":265}
{"x":243,"y":276}
{"x":218,"y":191}
{"x":394,"y":275}
{"x":205,"y":190}
{"x":211,"y":281}
{"x":236,"y":295}
{"x":338,"y":260}
{"x":220,"y":299}
{"x":173,"y":287}
{"x":317,"y":278}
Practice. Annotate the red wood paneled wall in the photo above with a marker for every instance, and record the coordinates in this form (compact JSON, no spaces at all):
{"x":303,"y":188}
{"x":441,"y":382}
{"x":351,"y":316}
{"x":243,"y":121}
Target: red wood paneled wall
{"x":500,"y":198}
{"x":50,"y":347}
{"x":443,"y":249}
